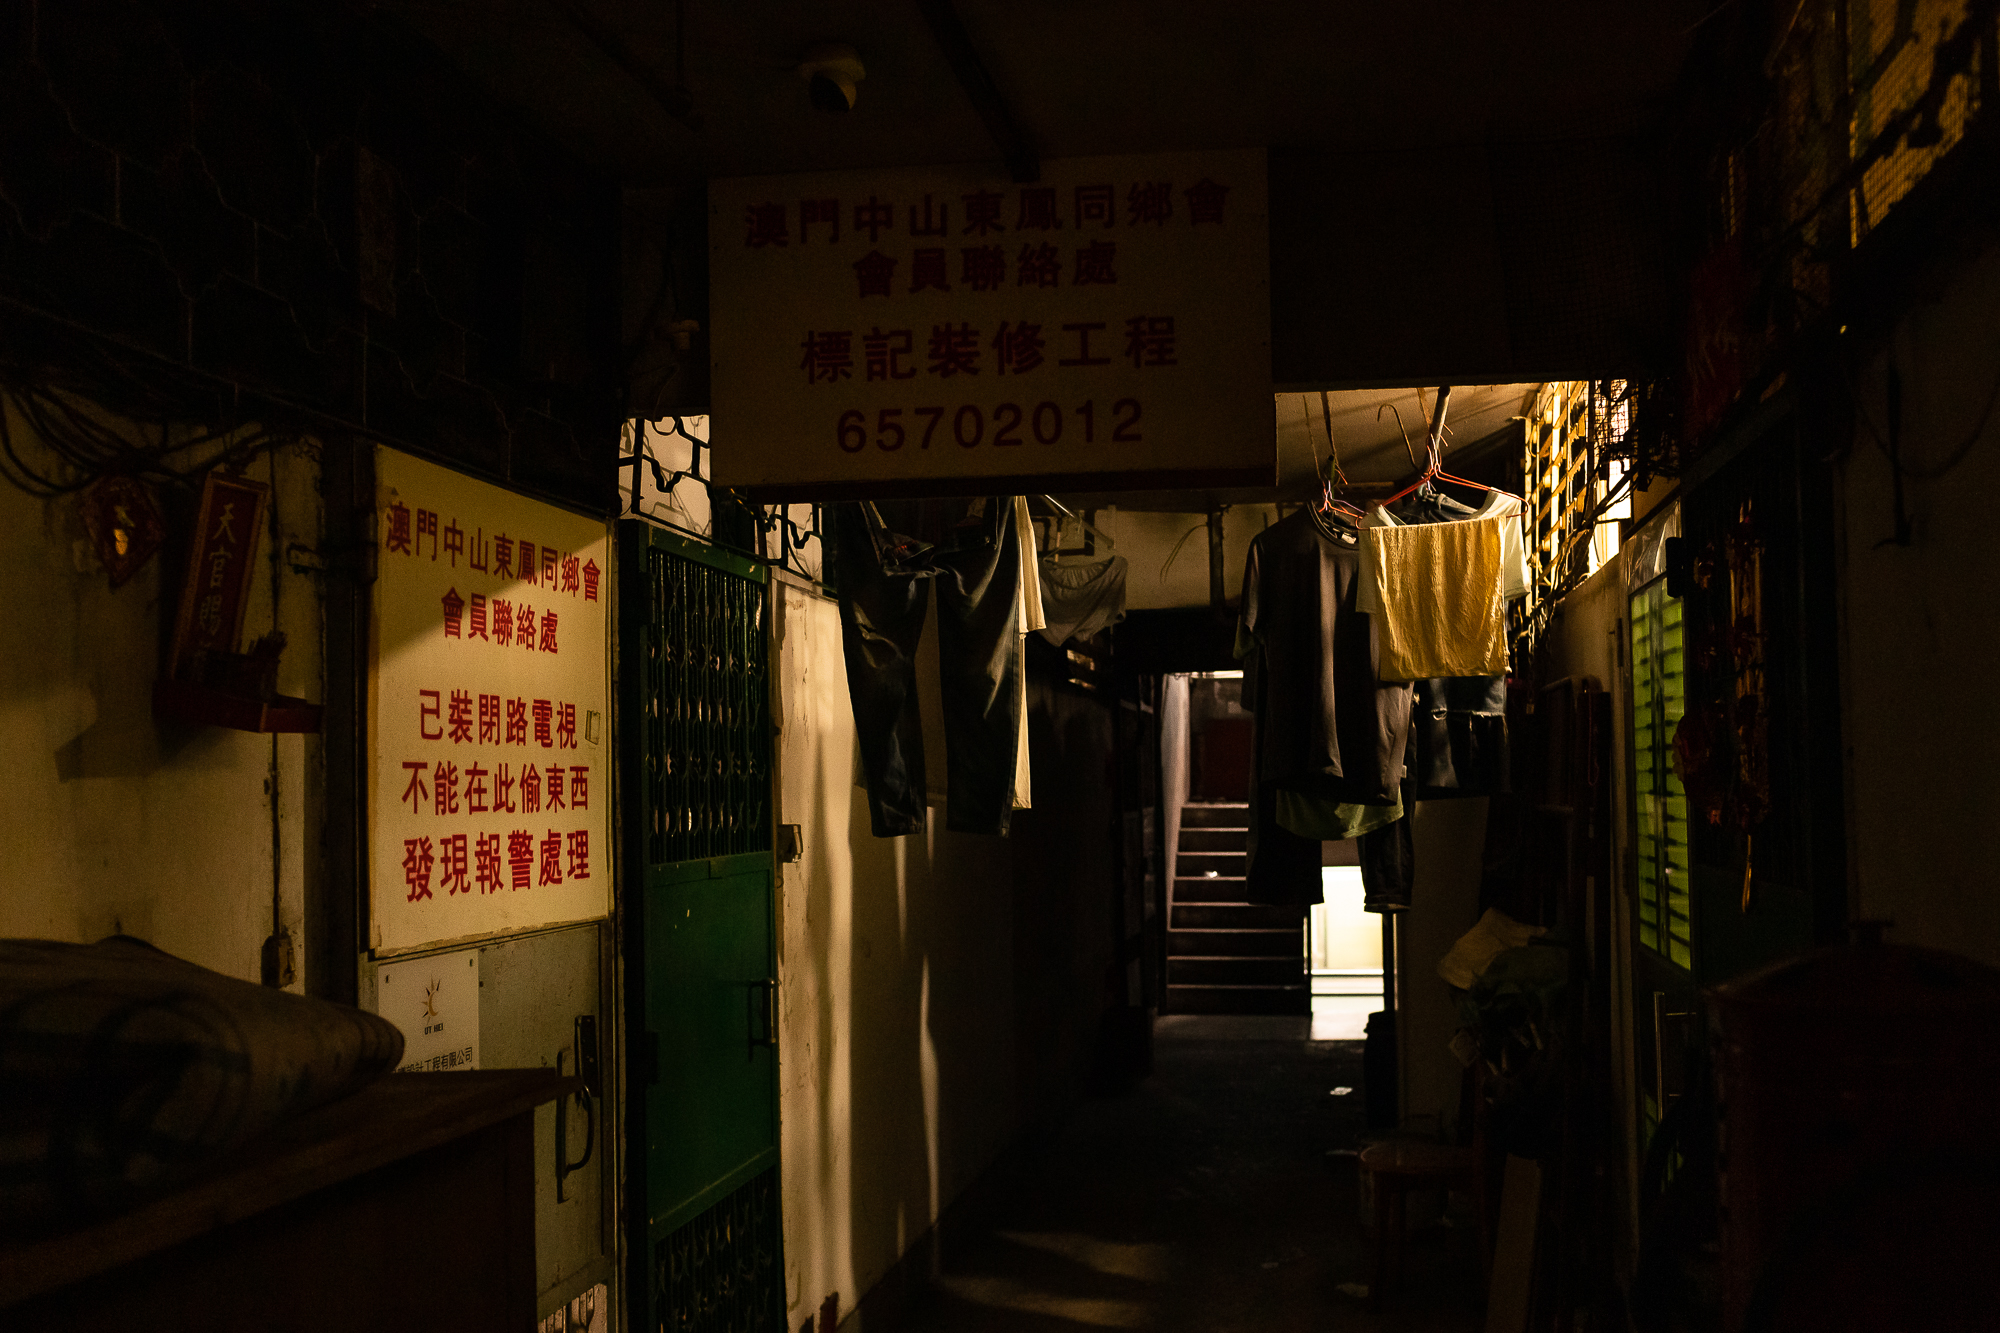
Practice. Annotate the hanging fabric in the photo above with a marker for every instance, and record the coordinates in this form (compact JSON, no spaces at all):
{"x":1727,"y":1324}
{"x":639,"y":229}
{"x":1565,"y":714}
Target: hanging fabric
{"x":1330,"y":736}
{"x":1438,"y":589}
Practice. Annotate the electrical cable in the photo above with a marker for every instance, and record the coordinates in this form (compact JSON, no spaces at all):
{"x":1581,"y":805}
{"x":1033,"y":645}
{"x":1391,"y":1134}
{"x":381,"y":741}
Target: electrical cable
{"x":1927,"y":471}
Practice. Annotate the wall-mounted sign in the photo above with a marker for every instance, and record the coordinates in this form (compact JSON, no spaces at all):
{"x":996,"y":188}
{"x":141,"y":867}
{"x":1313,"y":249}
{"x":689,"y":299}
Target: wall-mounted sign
{"x":221,"y":559}
{"x":489,"y":782}
{"x":911,"y":331}
{"x":124,"y":524}
{"x":434,"y":1002}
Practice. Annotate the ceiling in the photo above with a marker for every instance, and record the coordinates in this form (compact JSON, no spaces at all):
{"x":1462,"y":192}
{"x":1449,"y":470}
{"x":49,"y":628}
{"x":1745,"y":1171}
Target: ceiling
{"x":1366,"y":433}
{"x":1080,"y":77}
{"x":1390,"y":84}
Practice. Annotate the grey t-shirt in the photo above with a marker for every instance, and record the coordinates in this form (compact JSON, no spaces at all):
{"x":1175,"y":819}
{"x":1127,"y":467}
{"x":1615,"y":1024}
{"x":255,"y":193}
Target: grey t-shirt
{"x":1324,"y":723}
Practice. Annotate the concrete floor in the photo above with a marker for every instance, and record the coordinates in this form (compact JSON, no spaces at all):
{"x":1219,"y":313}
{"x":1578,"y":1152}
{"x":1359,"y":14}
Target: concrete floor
{"x":1213,"y":1197}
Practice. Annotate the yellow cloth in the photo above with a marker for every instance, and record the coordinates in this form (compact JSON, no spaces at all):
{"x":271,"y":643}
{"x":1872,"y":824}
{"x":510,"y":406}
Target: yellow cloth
{"x":1438,"y":585}
{"x":1494,"y":935}
{"x":1316,"y":817}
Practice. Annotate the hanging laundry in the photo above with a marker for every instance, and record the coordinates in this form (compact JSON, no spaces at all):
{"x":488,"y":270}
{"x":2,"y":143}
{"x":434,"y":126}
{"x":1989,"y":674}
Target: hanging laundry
{"x":1437,"y":587}
{"x":1458,"y":736}
{"x":1081,"y":599}
{"x":1330,"y":736}
{"x":1032,"y":620}
{"x":885,"y":579}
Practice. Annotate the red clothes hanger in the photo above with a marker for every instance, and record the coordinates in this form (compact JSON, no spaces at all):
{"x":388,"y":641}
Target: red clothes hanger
{"x":1433,"y":469}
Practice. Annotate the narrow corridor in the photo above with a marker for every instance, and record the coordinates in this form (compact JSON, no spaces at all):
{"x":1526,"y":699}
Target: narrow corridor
{"x":1215,"y":1196}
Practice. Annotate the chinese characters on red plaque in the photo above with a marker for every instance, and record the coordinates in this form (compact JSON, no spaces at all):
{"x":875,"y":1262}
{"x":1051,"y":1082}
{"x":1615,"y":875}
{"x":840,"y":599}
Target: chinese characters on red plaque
{"x":489,"y":710}
{"x":1109,"y":324}
{"x":221,"y":563}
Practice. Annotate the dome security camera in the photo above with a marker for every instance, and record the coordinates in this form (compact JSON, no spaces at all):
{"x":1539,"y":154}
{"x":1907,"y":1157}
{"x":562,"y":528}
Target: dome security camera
{"x":830,"y":73}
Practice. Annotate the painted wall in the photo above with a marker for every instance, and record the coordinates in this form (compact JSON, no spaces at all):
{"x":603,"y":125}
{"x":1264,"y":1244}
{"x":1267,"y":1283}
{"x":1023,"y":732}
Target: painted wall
{"x":939,"y":993}
{"x":1448,"y":837}
{"x":115,"y":821}
{"x":1918,"y":626}
{"x":1147,"y":540}
{"x":1585,"y":638}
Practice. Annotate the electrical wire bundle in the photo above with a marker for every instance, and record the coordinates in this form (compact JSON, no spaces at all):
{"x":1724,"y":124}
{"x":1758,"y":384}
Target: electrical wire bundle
{"x":90,"y":409}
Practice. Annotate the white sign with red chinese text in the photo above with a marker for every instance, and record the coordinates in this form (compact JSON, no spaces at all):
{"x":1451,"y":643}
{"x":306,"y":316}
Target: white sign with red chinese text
{"x":906,"y":331}
{"x":434,"y":1002}
{"x":489,"y":783}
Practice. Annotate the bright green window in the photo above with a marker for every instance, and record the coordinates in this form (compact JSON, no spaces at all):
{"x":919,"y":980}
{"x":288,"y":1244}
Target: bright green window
{"x":1659,"y":697}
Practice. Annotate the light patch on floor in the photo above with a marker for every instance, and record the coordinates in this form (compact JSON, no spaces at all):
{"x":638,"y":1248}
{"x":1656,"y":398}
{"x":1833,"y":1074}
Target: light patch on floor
{"x":1342,"y":1017}
{"x":1003,"y":1293}
{"x":1147,"y":1263}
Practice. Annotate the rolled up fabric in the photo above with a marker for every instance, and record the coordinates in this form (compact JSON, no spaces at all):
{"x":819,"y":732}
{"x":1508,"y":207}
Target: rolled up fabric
{"x":125,"y":1071}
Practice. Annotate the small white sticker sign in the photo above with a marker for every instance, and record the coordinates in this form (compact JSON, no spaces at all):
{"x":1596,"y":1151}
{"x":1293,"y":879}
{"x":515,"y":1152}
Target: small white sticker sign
{"x":435,"y":1003}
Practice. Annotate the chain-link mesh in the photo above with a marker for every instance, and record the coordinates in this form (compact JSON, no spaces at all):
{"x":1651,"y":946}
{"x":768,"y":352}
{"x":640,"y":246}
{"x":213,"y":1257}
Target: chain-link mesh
{"x":1867,"y":96}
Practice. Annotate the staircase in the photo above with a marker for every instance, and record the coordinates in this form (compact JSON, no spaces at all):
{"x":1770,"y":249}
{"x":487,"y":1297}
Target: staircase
{"x":1225,"y":955}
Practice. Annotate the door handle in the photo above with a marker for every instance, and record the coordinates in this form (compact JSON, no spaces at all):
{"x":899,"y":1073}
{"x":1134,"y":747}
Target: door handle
{"x":763,"y":995}
{"x":1660,"y":1016}
{"x":586,"y":1096}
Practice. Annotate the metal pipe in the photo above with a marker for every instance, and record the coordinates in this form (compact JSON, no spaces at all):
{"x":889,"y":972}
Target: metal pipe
{"x":1437,"y":418}
{"x":1023,"y":163}
{"x":1216,"y":597}
{"x":607,"y":39}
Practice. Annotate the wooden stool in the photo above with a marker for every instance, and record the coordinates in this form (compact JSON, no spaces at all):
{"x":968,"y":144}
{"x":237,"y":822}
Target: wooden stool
{"x":1397,"y":1166}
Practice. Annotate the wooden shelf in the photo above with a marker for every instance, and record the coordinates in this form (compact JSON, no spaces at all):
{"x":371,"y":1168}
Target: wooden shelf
{"x":394,"y":1119}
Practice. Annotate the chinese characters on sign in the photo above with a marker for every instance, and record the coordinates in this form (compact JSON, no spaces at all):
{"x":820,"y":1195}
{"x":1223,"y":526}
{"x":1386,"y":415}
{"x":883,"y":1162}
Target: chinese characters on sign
{"x":488,"y":706}
{"x":857,"y":312}
{"x":220,"y":563}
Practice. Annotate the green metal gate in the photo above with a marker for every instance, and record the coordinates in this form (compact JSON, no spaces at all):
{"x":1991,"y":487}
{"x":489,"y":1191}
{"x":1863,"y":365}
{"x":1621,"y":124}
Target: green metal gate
{"x":701,"y":996}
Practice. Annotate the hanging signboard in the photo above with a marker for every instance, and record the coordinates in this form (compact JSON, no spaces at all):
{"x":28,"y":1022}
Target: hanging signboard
{"x":221,"y":562}
{"x":913,"y":331}
{"x":489,"y":778}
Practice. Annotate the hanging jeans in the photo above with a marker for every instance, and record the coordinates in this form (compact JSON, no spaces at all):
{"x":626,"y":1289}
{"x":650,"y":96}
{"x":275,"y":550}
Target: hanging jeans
{"x":885,"y":580}
{"x":1389,"y":858}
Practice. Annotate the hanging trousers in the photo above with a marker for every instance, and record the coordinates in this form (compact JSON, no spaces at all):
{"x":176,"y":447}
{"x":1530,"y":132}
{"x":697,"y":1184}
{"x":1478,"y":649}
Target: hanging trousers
{"x":885,"y":582}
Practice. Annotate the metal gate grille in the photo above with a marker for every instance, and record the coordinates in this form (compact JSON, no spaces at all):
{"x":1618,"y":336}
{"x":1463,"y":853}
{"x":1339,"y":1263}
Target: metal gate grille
{"x":707,"y":718}
{"x":720,"y":1273}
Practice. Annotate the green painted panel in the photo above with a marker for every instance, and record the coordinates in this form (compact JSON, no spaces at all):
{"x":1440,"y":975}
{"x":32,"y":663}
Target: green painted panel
{"x":709,"y":959}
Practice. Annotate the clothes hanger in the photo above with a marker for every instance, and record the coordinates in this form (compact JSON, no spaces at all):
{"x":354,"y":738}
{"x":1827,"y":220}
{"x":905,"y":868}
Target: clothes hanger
{"x":1066,"y":512}
{"x":1329,"y":503}
{"x":1433,"y":469}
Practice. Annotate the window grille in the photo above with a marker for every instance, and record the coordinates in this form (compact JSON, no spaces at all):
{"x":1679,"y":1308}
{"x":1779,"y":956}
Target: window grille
{"x":1867,"y":96}
{"x":1576,"y":471}
{"x":707,"y":730}
{"x":720,"y":1273}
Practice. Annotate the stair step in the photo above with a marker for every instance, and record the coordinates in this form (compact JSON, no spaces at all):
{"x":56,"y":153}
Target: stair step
{"x":1213,"y":839}
{"x":1185,"y":971}
{"x":1221,"y":889}
{"x":1220,"y":815}
{"x":1236,"y":916}
{"x":1217,"y":891}
{"x":1237,"y":1000}
{"x":1236,"y":943}
{"x":1191,"y":865}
